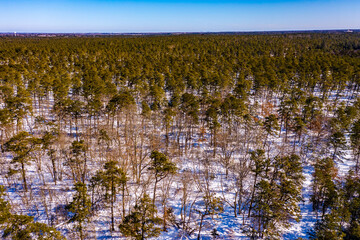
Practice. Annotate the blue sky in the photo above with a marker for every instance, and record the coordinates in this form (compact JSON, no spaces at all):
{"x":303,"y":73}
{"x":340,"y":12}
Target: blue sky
{"x":176,"y":16}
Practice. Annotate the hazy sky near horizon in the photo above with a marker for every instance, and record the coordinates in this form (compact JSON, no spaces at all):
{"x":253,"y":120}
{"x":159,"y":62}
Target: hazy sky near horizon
{"x":176,"y":16}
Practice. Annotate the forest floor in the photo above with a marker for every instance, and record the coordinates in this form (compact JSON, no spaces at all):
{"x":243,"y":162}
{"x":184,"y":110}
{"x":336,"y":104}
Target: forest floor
{"x":47,"y":198}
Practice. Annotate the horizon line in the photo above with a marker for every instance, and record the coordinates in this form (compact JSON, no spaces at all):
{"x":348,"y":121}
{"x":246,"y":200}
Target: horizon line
{"x":186,"y":32}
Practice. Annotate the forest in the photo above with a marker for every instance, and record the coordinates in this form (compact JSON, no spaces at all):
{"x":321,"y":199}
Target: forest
{"x":180,"y":137}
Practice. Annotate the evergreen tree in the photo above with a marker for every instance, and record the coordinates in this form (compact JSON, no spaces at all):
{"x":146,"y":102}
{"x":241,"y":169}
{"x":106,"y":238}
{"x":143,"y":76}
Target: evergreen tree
{"x":276,"y":197}
{"x":21,"y":227}
{"x":324,"y":188}
{"x":111,"y":179}
{"x":142,"y":222}
{"x":338,"y":142}
{"x":329,"y":228}
{"x":22,"y":145}
{"x":355,"y":142}
{"x":351,"y":204}
{"x":161,"y":167}
{"x":80,"y":208}
{"x":77,"y":160}
{"x":259,"y":164}
{"x":213,"y":205}
{"x":271,"y":124}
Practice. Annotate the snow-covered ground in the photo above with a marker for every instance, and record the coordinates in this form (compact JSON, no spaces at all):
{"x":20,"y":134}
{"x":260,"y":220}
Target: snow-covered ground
{"x":46,"y":200}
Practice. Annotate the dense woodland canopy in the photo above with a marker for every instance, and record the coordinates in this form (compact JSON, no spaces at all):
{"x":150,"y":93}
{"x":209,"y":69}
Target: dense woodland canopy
{"x":175,"y":136}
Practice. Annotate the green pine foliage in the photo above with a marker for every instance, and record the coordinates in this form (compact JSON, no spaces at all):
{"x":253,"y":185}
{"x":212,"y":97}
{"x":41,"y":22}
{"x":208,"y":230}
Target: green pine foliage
{"x":20,"y":227}
{"x":142,"y":222}
{"x":325,"y":192}
{"x":22,"y":145}
{"x":80,"y":208}
{"x":342,"y":219}
{"x":111,"y":179}
{"x":161,"y":167}
{"x":276,"y":195}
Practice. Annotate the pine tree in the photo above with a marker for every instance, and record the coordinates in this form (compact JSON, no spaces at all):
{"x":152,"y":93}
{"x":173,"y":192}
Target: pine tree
{"x":328,"y":228}
{"x":271,"y":124}
{"x":259,"y":164}
{"x":212,"y":206}
{"x":324,"y":188}
{"x":142,"y":222}
{"x":5,"y":214}
{"x":22,"y":145}
{"x":338,"y":142}
{"x":342,"y":218}
{"x":48,"y":140}
{"x":80,"y":208}
{"x":78,"y":160}
{"x":212,"y":117}
{"x":161,"y":167}
{"x":21,"y":227}
{"x":351,"y":205}
{"x":276,"y":197}
{"x":355,"y":142}
{"x":111,"y":179}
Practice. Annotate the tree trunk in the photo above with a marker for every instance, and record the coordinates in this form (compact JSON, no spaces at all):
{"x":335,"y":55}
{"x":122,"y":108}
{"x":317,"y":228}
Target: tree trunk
{"x":201,"y":222}
{"x":215,"y":143}
{"x":156,"y":181}
{"x":112,"y":213}
{"x":165,"y":217}
{"x":235,"y":204}
{"x":81,"y":231}
{"x":252,"y":196}
{"x":53,"y":165}
{"x":123,"y":200}
{"x":23,"y":173}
